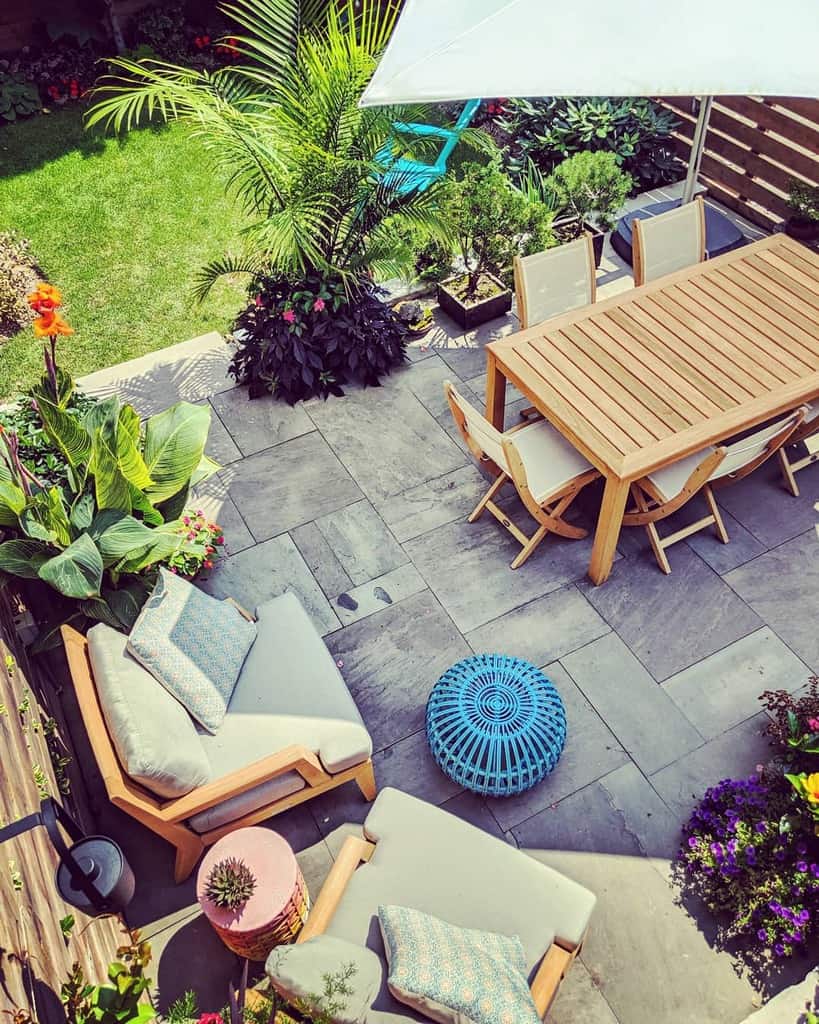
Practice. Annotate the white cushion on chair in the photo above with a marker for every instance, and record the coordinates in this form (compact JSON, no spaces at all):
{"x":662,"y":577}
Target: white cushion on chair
{"x":549,"y":459}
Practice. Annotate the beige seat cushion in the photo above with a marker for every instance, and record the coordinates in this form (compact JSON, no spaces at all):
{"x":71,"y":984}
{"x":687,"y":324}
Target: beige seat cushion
{"x":431,"y":861}
{"x":288,"y":692}
{"x":153,"y":735}
{"x":548,"y":458}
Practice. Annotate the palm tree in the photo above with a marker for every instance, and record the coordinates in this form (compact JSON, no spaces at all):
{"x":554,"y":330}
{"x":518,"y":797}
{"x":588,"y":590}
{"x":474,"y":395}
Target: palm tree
{"x":286,"y":129}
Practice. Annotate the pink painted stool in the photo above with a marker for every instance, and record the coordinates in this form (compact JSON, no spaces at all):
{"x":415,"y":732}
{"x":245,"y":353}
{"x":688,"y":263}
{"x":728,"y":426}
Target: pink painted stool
{"x":278,"y":907}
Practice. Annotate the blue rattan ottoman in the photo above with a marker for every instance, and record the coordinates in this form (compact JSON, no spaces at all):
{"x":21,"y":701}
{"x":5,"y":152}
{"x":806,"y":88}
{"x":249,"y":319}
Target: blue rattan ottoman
{"x":495,"y":724}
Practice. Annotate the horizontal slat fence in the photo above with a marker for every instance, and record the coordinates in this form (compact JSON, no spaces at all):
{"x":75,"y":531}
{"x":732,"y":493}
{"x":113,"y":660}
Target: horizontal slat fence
{"x":754,"y":147}
{"x":35,"y":957}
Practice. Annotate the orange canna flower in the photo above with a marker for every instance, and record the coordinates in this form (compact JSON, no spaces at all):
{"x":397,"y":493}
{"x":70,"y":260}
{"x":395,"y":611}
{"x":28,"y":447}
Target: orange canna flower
{"x":49,"y":324}
{"x":45,"y":298}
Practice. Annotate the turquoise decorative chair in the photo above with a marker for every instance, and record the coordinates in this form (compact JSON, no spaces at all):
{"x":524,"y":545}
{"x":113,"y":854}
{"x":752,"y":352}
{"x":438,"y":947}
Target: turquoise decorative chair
{"x":408,"y":175}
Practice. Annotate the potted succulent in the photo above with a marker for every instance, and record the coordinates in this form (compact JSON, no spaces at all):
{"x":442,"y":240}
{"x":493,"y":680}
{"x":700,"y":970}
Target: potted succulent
{"x":589,"y":189}
{"x":491,"y":222}
{"x":230,"y":884}
{"x":415,"y":316}
{"x":803,"y":223}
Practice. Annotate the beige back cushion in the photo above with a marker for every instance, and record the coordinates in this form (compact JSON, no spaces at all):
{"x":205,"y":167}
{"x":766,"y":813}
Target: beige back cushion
{"x":670,"y":241}
{"x":740,"y":453}
{"x":483,"y":434}
{"x":555,"y":281}
{"x":154,"y":736}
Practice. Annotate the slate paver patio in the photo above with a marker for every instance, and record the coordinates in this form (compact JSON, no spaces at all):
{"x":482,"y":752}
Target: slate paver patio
{"x":358,"y":504}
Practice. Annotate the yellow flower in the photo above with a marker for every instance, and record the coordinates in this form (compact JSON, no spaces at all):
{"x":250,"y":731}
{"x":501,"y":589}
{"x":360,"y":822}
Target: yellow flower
{"x":811,"y":785}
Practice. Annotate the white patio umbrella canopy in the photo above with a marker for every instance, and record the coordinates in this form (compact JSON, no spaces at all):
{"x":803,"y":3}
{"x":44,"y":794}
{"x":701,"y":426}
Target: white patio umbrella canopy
{"x":465,"y":49}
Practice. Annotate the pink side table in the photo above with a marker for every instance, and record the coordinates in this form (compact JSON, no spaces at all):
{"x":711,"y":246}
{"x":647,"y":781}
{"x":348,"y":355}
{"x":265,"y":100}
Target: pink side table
{"x":278,"y":907}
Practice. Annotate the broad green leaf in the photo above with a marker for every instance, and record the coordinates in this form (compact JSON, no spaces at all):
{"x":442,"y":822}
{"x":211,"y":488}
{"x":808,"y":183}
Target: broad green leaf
{"x":24,"y":557}
{"x":206,"y":468}
{"x":82,"y":512}
{"x":103,"y":415}
{"x":12,"y":503}
{"x":131,"y":463}
{"x":98,"y":609}
{"x":165,"y":540}
{"x":77,"y":571}
{"x":127,"y":600}
{"x":110,"y":486}
{"x":173,"y":507}
{"x":119,"y":536}
{"x":57,"y":520}
{"x":65,"y":430}
{"x":32,"y":525}
{"x":174,"y":445}
{"x":141,"y":504}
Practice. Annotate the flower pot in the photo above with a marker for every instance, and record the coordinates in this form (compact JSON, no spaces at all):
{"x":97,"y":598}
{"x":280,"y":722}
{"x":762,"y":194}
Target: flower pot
{"x":598,"y":238}
{"x":804,"y":229}
{"x":477,"y":311}
{"x":567,"y":229}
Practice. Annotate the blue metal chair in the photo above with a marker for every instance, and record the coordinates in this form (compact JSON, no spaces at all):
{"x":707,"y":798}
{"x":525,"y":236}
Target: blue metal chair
{"x":408,"y":175}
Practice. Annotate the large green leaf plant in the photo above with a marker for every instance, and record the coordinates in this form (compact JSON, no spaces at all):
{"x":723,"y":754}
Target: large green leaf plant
{"x":96,"y":539}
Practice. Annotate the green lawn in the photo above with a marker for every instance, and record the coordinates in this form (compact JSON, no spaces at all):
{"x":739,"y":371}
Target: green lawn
{"x":120,"y":227}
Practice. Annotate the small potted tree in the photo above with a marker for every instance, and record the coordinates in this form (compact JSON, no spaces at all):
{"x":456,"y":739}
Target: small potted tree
{"x":803,"y":223}
{"x":490,"y":222}
{"x":589,"y":189}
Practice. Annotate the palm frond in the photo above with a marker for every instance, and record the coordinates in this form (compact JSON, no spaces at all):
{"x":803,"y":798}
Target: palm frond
{"x":207,"y":277}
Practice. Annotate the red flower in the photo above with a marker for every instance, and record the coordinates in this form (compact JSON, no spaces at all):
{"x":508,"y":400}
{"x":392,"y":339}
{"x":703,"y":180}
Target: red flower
{"x":206,"y":40}
{"x":318,"y":305}
{"x":210,"y":1018}
{"x":258,"y":300}
{"x":289,"y":316}
{"x":220,"y":540}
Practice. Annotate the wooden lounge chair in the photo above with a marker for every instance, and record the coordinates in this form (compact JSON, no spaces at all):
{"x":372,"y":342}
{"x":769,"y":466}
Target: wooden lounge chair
{"x":547,"y":472}
{"x":668,"y":242}
{"x":416,"y":855}
{"x":808,"y":433}
{"x":277,"y":747}
{"x":555,"y":281}
{"x":665,"y":490}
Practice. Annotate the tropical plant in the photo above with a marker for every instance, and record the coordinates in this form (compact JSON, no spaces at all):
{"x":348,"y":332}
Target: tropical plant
{"x":491,"y":222}
{"x":286,"y":128}
{"x":117,"y":1003}
{"x":310,"y":338}
{"x":589,"y":187}
{"x":636,"y":130}
{"x":18,"y":97}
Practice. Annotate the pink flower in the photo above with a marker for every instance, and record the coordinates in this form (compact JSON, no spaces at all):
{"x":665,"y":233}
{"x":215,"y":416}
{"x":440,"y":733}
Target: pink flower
{"x":220,"y":540}
{"x":289,"y":316}
{"x":210,"y":1018}
{"x":813,"y":723}
{"x":186,"y":520}
{"x":258,"y":300}
{"x":173,"y":569}
{"x":318,"y":305}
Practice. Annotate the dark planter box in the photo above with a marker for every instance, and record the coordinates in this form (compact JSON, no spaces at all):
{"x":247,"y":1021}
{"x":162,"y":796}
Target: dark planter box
{"x":802,"y":228}
{"x":598,"y":238}
{"x":473,"y":316}
{"x":565,"y":227}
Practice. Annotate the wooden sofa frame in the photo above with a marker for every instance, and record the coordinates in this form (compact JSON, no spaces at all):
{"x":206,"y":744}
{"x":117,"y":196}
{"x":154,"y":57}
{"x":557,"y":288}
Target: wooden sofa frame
{"x":168,"y":818}
{"x":553,"y":967}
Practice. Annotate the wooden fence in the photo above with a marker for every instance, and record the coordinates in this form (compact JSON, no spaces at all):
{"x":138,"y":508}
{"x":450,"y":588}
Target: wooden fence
{"x":35,"y":955}
{"x":753,"y":149}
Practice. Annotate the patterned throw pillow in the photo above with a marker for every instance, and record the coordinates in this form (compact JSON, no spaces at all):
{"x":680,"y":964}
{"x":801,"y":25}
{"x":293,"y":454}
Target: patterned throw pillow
{"x":455,"y":975}
{"x":194,"y":645}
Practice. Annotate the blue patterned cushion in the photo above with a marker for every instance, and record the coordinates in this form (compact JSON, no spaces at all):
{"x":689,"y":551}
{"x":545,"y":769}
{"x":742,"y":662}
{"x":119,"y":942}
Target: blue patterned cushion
{"x":455,"y":975}
{"x":194,"y":645}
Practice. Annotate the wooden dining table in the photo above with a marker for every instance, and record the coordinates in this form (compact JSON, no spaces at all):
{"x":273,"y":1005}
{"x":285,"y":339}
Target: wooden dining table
{"x":648,"y":376}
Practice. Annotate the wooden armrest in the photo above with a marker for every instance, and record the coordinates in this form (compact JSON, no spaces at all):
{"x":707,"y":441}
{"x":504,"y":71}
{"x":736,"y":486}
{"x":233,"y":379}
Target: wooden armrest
{"x":549,"y":975}
{"x":294,"y":758}
{"x":242,"y":611}
{"x":353,"y":852}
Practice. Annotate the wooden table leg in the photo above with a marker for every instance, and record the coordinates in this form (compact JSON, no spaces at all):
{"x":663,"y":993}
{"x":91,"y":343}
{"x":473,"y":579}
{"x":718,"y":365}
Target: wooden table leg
{"x":495,"y":392}
{"x":609,"y":522}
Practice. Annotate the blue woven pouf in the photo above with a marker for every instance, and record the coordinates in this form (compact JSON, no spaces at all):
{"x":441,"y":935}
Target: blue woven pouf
{"x":495,"y":724}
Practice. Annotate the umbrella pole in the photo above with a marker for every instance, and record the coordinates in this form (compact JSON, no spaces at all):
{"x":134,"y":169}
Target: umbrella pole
{"x":697,"y":146}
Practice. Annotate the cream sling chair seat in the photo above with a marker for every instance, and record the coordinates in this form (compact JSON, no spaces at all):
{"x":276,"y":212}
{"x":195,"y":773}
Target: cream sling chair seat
{"x":555,"y":281}
{"x":547,"y":472}
{"x":668,"y":242}
{"x":808,"y":432}
{"x":665,"y":490}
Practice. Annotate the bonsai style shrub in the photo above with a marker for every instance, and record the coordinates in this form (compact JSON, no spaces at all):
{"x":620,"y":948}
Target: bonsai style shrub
{"x":636,"y":130}
{"x":230,"y":883}
{"x":302,"y":157}
{"x":491,"y":223}
{"x":591,"y":188}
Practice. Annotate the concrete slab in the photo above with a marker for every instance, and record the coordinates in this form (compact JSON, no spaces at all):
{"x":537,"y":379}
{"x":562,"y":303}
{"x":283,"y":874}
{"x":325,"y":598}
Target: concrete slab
{"x":358,"y":602}
{"x":261,"y":423}
{"x":361,"y":541}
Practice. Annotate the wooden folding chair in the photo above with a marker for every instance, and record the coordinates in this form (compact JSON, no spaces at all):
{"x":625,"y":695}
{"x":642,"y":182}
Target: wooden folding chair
{"x":555,"y":281}
{"x":547,"y":472}
{"x":668,"y":242}
{"x":665,"y":490}
{"x":808,"y":432}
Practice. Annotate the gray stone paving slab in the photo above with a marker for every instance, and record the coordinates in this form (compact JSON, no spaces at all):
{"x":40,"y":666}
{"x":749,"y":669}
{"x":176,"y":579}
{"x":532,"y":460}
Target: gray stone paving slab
{"x":290,"y":485}
{"x":433,"y":503}
{"x":260,"y":573}
{"x":261,"y":423}
{"x":763,"y":506}
{"x":649,"y":959}
{"x":375,"y":595}
{"x":391,"y":661}
{"x":618,"y":814}
{"x":579,"y":999}
{"x":321,"y":561}
{"x":782,"y":587}
{"x":386,"y":439}
{"x":723,"y":689}
{"x":542,"y":630}
{"x":467,"y":566}
{"x":640,"y":714}
{"x":427,"y":383}
{"x":465,"y":354}
{"x":472,"y":808}
{"x":361,"y":541}
{"x":212,"y":496}
{"x":591,"y":751}
{"x":734,"y":754}
{"x":672,"y":621}
{"x":220,"y":445}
